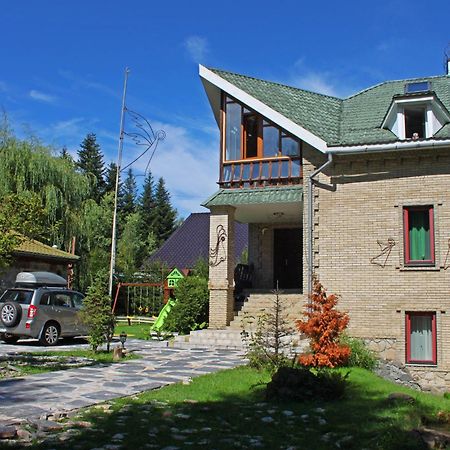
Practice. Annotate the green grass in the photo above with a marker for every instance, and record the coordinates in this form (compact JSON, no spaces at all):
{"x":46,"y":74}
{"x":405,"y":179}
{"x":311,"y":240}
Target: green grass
{"x":136,"y":331}
{"x":35,"y":366}
{"x":228,"y":410}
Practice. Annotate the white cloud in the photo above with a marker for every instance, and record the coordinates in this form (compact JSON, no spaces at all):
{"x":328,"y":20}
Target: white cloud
{"x":197,"y":48}
{"x":315,"y":82}
{"x":189,"y":166}
{"x":41,"y":96}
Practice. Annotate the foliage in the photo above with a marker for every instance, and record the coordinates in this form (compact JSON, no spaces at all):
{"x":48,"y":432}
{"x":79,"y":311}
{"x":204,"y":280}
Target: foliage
{"x":323,"y":327}
{"x":360,"y":354}
{"x":129,"y":195}
{"x":302,"y":384}
{"x":201,"y":268}
{"x":96,"y":312}
{"x":110,"y":178}
{"x":90,"y":162}
{"x":130,"y":247}
{"x":268,"y":337}
{"x":164,"y":214}
{"x":21,"y":215}
{"x":190,"y":311}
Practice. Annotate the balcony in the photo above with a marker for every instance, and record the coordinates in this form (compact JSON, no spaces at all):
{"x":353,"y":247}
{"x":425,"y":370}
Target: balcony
{"x":280,"y":170}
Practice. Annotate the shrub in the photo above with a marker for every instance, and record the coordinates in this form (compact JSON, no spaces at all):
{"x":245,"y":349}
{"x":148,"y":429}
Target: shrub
{"x":303,"y":384}
{"x":360,"y":354}
{"x":324,"y":326}
{"x":268,"y":344}
{"x":190,"y":311}
{"x":96,"y":312}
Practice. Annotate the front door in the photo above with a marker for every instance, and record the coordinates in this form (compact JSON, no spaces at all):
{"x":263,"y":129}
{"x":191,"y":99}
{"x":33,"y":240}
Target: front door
{"x":287,"y":258}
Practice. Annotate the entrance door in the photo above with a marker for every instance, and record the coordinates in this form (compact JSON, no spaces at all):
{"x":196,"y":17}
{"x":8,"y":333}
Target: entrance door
{"x":287,"y":258}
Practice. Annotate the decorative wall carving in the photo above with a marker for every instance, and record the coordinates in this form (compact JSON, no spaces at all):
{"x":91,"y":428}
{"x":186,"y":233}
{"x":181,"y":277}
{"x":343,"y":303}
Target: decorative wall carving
{"x":385,"y":251}
{"x":218,"y":254}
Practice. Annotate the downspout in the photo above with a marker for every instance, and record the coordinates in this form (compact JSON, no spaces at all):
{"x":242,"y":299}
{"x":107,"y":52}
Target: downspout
{"x":311,"y":220}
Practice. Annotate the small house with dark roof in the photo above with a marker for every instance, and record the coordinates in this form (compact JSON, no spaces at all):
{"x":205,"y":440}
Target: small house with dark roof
{"x":190,"y":242}
{"x":354,"y":191}
{"x":31,"y":255}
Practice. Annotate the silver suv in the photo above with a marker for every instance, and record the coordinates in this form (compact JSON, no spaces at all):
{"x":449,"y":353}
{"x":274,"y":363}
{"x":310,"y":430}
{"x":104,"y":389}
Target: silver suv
{"x":40,"y":307}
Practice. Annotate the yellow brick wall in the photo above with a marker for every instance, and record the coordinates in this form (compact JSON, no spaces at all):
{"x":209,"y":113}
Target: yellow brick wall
{"x":366,"y":207}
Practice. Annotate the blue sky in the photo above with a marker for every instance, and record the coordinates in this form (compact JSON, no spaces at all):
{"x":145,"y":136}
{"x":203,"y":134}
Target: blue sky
{"x":62,"y":66}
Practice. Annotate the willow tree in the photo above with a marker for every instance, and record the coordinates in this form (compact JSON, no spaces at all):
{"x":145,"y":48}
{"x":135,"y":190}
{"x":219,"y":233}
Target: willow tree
{"x":27,"y":166}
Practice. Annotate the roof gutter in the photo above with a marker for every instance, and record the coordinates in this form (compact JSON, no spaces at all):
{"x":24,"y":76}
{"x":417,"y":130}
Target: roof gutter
{"x":311,"y":219}
{"x":345,"y":150}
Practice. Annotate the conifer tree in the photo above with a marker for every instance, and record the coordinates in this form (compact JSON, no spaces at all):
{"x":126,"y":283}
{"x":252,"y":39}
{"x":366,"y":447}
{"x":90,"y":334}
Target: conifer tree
{"x":90,"y":161}
{"x":66,"y":155}
{"x":128,"y":203}
{"x":147,"y":206}
{"x":110,"y":177}
{"x":164,"y":214}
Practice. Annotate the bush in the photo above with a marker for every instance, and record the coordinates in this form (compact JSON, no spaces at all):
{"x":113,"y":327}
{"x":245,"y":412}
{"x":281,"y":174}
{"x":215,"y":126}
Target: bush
{"x":361,"y":355}
{"x":96,"y":312}
{"x":190,"y":311}
{"x":323,"y":327}
{"x":303,"y":384}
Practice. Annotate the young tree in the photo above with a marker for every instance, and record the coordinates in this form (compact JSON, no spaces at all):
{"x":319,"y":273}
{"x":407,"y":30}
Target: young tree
{"x":164,"y":214}
{"x":324,"y":326}
{"x":66,"y":155}
{"x":96,"y":312}
{"x":128,"y":203}
{"x":90,"y":161}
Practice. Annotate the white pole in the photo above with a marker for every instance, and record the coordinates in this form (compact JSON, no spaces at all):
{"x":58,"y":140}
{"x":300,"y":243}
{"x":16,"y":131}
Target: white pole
{"x":116,"y":194}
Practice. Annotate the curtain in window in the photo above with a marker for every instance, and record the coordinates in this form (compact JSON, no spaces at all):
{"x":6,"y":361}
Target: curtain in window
{"x":419,"y":235}
{"x":421,"y":338}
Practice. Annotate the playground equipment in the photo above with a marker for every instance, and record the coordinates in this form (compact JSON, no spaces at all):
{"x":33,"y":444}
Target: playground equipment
{"x":141,"y":300}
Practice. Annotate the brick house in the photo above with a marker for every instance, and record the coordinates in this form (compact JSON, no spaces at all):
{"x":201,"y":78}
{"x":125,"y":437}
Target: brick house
{"x":354,"y":191}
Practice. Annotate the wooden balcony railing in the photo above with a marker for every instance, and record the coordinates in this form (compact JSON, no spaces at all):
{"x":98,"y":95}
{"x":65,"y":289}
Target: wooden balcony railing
{"x":261,"y":172}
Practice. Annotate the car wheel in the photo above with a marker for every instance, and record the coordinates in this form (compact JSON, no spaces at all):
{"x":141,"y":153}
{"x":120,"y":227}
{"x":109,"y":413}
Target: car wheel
{"x":10,"y":314}
{"x":9,"y":338}
{"x":50,"y":334}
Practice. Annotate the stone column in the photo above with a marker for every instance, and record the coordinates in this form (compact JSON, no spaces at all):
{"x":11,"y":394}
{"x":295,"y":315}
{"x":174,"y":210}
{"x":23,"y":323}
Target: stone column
{"x":221,"y":266}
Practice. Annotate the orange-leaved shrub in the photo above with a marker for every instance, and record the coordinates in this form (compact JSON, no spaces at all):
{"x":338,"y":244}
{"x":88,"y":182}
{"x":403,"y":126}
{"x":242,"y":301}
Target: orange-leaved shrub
{"x":323,"y":325}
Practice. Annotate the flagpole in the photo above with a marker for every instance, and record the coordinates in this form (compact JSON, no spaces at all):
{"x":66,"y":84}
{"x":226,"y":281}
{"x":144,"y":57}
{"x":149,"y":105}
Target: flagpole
{"x":116,"y":192}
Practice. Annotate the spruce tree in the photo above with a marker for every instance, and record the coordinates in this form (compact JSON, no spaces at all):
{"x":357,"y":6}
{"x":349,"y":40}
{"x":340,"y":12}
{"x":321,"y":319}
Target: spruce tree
{"x":110,"y":177}
{"x":65,"y":154}
{"x":147,"y":205}
{"x":128,"y":203}
{"x":164,"y":214}
{"x":90,"y":161}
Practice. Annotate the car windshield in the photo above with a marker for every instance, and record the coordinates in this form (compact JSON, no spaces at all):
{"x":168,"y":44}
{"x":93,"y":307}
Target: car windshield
{"x":21,"y":296}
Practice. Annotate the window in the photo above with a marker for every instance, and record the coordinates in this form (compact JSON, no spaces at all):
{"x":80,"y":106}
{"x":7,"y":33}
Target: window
{"x":421,"y":337}
{"x":415,"y":123}
{"x":418,"y":222}
{"x":248,"y":135}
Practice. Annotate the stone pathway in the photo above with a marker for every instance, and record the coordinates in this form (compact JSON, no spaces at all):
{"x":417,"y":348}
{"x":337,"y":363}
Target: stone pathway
{"x":33,"y":396}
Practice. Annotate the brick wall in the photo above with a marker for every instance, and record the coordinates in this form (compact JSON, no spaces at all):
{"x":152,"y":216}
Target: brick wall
{"x":366,"y":207}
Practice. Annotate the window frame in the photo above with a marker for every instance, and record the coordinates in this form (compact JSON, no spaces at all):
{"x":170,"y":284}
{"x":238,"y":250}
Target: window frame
{"x":407,"y":250}
{"x":408,"y":316}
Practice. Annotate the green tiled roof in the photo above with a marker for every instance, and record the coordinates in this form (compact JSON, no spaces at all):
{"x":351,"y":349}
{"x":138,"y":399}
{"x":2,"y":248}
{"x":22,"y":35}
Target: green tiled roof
{"x":307,"y":109}
{"x":350,"y":121}
{"x":251,"y":196}
{"x":31,"y":247}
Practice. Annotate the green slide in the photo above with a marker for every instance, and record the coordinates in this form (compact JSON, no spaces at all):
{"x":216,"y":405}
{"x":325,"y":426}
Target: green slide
{"x":159,"y":322}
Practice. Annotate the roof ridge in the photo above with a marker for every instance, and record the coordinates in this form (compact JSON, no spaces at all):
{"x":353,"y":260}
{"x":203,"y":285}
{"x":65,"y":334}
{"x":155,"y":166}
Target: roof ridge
{"x":276,"y":83}
{"x":394,"y":81}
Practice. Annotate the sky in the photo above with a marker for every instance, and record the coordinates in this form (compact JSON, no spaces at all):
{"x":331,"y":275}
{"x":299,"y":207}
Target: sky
{"x":62,"y":67}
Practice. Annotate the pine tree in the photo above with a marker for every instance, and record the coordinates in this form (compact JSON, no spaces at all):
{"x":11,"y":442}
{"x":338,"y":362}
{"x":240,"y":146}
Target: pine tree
{"x":128,"y":203}
{"x":147,"y":206}
{"x":110,"y":177}
{"x":164,"y":214}
{"x":90,"y":161}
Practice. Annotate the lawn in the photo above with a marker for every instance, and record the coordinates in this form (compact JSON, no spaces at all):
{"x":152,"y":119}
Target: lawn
{"x":49,"y":361}
{"x":136,"y":330}
{"x":228,"y":410}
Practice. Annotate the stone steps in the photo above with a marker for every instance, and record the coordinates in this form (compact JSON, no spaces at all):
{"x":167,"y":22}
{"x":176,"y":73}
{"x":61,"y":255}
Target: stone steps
{"x":220,"y":339}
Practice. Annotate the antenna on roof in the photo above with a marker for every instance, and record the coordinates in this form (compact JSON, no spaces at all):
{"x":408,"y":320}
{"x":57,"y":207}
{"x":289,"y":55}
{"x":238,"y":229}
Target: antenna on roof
{"x":447,"y":60}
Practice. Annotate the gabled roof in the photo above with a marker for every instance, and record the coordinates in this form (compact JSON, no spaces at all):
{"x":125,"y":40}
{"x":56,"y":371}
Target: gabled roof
{"x":33,"y":248}
{"x":190,"y":242}
{"x":351,"y":121}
